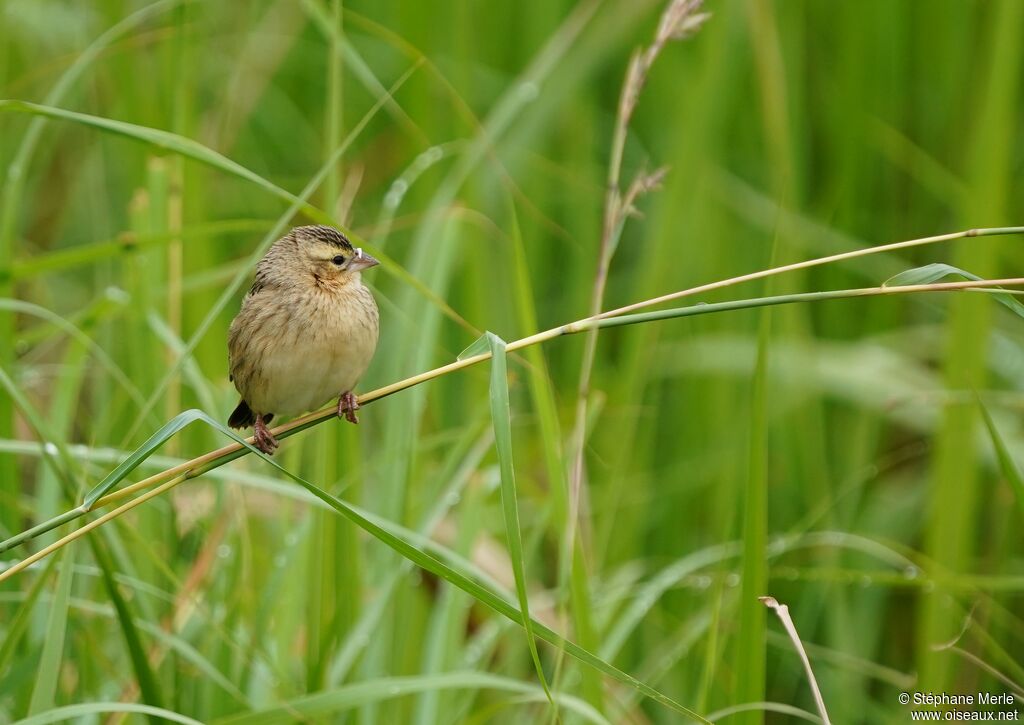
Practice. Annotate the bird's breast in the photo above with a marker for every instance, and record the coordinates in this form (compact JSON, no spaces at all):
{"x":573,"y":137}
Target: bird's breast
{"x":324,"y":346}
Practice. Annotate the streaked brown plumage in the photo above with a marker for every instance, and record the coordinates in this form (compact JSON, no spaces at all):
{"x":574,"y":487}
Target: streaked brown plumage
{"x":306,"y":332}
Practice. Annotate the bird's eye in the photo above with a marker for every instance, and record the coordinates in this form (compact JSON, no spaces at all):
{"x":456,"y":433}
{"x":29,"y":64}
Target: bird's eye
{"x":339,"y":260}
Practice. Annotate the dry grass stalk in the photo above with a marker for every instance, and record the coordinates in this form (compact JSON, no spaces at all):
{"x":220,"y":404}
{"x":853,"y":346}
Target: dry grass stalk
{"x":787,"y":622}
{"x":680,"y":19}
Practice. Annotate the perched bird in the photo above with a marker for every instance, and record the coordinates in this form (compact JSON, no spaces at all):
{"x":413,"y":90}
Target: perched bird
{"x":306,"y":331}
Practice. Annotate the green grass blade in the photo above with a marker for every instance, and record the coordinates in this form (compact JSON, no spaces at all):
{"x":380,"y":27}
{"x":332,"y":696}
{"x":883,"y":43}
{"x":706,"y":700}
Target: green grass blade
{"x":85,"y":710}
{"x":80,"y":255}
{"x":471,"y":587}
{"x":647,"y":594}
{"x":323,"y":704}
{"x":935,"y":272}
{"x":53,"y":644}
{"x":19,"y":623}
{"x":421,"y":559}
{"x":143,"y":452}
{"x":1007,"y":465}
{"x":502,"y":421}
{"x":478,"y":346}
{"x":66,"y":472}
{"x":172,"y":142}
{"x":101,"y":355}
{"x":189,"y":148}
{"x":177,"y":643}
{"x":542,"y":393}
{"x":62,"y":463}
{"x":340,"y":45}
{"x":750,"y":645}
{"x":145,"y":676}
{"x":11,"y":202}
{"x":360,"y":634}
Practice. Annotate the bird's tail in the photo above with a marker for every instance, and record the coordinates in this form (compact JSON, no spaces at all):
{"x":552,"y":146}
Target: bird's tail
{"x":243,"y":417}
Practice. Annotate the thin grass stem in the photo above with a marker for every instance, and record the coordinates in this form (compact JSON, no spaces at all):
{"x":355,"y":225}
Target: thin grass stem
{"x":853,"y":254}
{"x":86,"y":528}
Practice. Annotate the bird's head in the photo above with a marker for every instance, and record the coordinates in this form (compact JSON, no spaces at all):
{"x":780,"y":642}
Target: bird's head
{"x":328,"y":255}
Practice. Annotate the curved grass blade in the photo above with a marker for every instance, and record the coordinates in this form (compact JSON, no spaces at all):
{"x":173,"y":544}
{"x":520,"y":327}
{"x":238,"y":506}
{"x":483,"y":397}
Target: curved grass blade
{"x":13,"y":186}
{"x":934,"y":272}
{"x":542,"y":394}
{"x":321,"y":704}
{"x":1006,"y":463}
{"x":53,"y":644}
{"x":129,"y":464}
{"x":484,"y":596}
{"x":502,"y":422}
{"x":65,"y":258}
{"x":144,"y":675}
{"x":479,"y":346}
{"x":66,"y":473}
{"x":144,"y":451}
{"x":780,"y":708}
{"x":79,"y":712}
{"x":196,"y":151}
{"x":16,"y":626}
{"x":341,"y":46}
{"x":167,"y":141}
{"x":75,"y":333}
{"x":359,"y":636}
{"x":66,"y":463}
{"x":172,"y":641}
{"x":409,"y":551}
{"x":927,"y":273}
{"x":646,"y":595}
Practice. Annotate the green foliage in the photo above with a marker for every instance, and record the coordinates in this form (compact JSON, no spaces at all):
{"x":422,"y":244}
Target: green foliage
{"x":938,"y":271}
{"x":837,"y":459}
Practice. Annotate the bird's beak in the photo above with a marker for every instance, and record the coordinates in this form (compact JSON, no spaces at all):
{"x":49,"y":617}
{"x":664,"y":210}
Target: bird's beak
{"x":362,"y":261}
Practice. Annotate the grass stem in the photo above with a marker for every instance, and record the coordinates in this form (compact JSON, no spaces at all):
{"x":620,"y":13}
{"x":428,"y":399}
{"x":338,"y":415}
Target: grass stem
{"x":171,"y":477}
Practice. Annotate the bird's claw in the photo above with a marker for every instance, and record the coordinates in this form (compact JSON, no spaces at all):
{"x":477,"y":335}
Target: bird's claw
{"x":347,"y":406}
{"x":263,"y":439}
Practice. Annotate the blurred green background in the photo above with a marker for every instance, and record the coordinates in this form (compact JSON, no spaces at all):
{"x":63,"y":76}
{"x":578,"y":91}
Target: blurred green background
{"x":849,"y":474}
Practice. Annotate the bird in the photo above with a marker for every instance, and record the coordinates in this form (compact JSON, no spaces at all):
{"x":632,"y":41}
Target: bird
{"x":306,"y":331}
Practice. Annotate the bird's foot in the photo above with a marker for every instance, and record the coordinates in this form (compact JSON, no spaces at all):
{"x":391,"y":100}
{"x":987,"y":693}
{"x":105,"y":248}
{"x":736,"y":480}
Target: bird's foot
{"x":347,"y":406}
{"x":262,"y":437}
